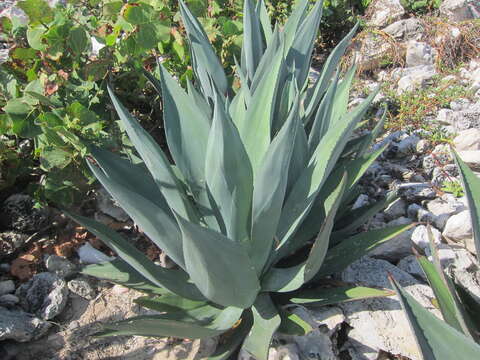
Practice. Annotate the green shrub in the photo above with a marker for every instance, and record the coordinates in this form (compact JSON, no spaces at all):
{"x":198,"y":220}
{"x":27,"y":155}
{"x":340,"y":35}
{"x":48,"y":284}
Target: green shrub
{"x":258,"y":204}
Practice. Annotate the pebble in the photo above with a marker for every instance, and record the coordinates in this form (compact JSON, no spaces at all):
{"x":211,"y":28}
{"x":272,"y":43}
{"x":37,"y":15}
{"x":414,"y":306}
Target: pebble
{"x":7,"y":287}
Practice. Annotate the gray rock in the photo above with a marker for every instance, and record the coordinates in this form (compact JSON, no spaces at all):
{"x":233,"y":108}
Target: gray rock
{"x":361,"y":201}
{"x":10,"y":242}
{"x":45,"y":295}
{"x":108,"y":206}
{"x":412,"y":211}
{"x":461,"y":120}
{"x":417,"y":77}
{"x":445,"y":173}
{"x":371,"y":50}
{"x":410,"y":265}
{"x":444,"y":207}
{"x":395,"y":209}
{"x":420,"y":53}
{"x":471,"y":157}
{"x":467,"y":140}
{"x":397,"y":247}
{"x":82,"y":287}
{"x":89,"y":255}
{"x":5,"y":268}
{"x":9,"y":300}
{"x":20,"y":326}
{"x":460,"y":104}
{"x":60,"y":266}
{"x":416,"y":191}
{"x":18,"y":213}
{"x":460,"y":10}
{"x":459,"y":227}
{"x":384,"y":12}
{"x":440,"y":156}
{"x":380,"y":324}
{"x":420,"y":236}
{"x":407,"y":29}
{"x":7,"y":287}
{"x":408,"y":145}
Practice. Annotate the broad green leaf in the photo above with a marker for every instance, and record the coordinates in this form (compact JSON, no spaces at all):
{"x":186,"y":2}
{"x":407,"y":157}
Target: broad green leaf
{"x":17,"y":106}
{"x":78,"y":40}
{"x":252,"y":47}
{"x":206,"y":65}
{"x":309,"y":183}
{"x":218,"y":266}
{"x":139,"y":13}
{"x":320,"y":246}
{"x":187,"y":128}
{"x":175,"y":281}
{"x":334,"y":295}
{"x":269,"y":191}
{"x":152,"y":219}
{"x":120,"y":272}
{"x":353,"y":248}
{"x":266,"y":320}
{"x":436,"y":339}
{"x":176,"y":324}
{"x":471,"y":184}
{"x":52,"y":157}
{"x":156,"y":162}
{"x":229,"y":175}
{"x":38,"y":11}
{"x":35,"y":38}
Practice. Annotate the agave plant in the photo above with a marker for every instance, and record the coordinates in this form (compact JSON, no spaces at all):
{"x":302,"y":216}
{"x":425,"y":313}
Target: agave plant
{"x":458,"y":336}
{"x":257,"y":206}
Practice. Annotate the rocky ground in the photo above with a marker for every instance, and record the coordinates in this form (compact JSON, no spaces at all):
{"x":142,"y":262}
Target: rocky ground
{"x":48,"y":309}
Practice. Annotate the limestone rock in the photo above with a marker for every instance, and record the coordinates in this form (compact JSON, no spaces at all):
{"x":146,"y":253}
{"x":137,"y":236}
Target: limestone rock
{"x":460,"y":10}
{"x":459,"y":227}
{"x":395,"y":209}
{"x":45,"y":294}
{"x":444,"y":207}
{"x":408,"y":29}
{"x":417,"y":78}
{"x":7,"y":287}
{"x":410,"y":265}
{"x":82,"y":287}
{"x":397,"y":247}
{"x":60,"y":266}
{"x":471,"y":157}
{"x":20,"y":326}
{"x":384,"y":12}
{"x":420,"y":236}
{"x":108,"y":206}
{"x":419,"y":53}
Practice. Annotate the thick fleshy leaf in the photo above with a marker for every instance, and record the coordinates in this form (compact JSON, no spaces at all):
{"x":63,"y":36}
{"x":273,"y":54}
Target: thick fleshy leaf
{"x":269,"y":191}
{"x":320,"y":246}
{"x":253,"y":46}
{"x":292,"y":324}
{"x":133,"y":176}
{"x":152,"y":219}
{"x":261,"y":10}
{"x":284,"y":279}
{"x":119,"y":272}
{"x":169,"y":303}
{"x":317,"y":92}
{"x":471,"y":184}
{"x":299,"y":157}
{"x":353,"y":248}
{"x":220,"y":267}
{"x":293,"y":22}
{"x":233,"y":339}
{"x":255,"y":130}
{"x":265,"y":322}
{"x":229,"y":175}
{"x":198,"y":323}
{"x":206,"y":65}
{"x":186,"y":128}
{"x":305,"y":190}
{"x":371,"y":136}
{"x":301,"y":52}
{"x":156,"y":162}
{"x":335,"y":295}
{"x":175,"y":281}
{"x":436,"y":339}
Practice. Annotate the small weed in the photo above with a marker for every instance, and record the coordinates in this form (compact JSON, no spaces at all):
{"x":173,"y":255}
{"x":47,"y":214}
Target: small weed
{"x":453,"y":187}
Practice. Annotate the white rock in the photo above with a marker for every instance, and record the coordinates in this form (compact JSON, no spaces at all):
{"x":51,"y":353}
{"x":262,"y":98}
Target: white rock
{"x":385,"y":12}
{"x":89,"y":255}
{"x":408,"y":145}
{"x":445,"y":254}
{"x":460,"y":10}
{"x":361,"y":201}
{"x":417,"y":78}
{"x":442,"y":208}
{"x":459,"y":227}
{"x":410,"y":28}
{"x":471,"y":157}
{"x":419,"y":53}
{"x":467,"y":140}
{"x":422,"y":146}
{"x":397,"y":247}
{"x":420,"y":236}
{"x":460,"y":104}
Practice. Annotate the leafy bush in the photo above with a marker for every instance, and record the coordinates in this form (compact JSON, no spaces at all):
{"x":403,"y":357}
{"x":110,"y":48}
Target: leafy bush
{"x":459,"y":335}
{"x":54,"y":81}
{"x":258,"y":205}
{"x":421,"y":5}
